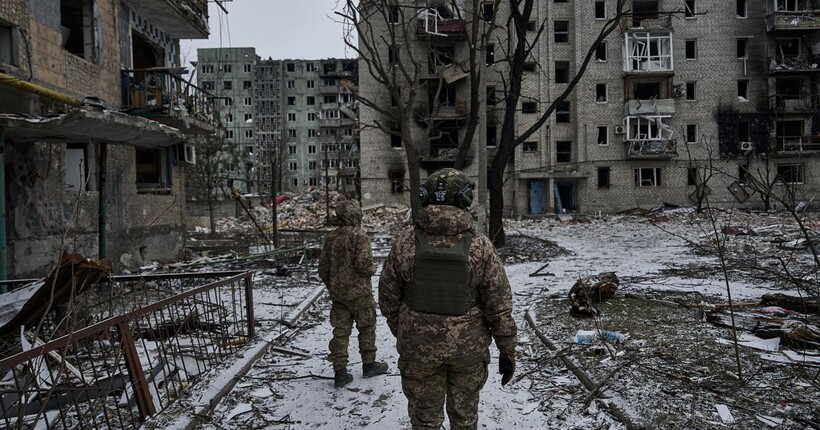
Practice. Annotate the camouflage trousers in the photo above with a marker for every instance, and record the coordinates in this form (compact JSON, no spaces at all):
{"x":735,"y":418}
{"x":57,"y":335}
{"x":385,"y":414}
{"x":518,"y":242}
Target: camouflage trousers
{"x":428,"y":386}
{"x":342,"y":316}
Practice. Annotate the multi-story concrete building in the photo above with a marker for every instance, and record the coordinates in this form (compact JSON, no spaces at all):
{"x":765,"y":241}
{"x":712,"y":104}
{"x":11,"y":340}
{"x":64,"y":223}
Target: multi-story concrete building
{"x":684,"y":92}
{"x":296,"y":108}
{"x":94,"y":114}
{"x":228,"y":74}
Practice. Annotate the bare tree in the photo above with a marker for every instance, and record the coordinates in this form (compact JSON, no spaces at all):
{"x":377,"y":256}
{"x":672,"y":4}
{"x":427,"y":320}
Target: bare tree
{"x":393,"y":40}
{"x":206,"y":180}
{"x":520,"y":51}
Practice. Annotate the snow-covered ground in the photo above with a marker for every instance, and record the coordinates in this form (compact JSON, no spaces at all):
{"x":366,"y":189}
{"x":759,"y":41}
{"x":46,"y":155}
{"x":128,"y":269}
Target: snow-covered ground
{"x":284,"y":390}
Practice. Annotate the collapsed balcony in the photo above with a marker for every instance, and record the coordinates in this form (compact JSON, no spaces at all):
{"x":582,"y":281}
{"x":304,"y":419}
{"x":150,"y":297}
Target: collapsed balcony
{"x":649,"y":137}
{"x":162,"y":95}
{"x":433,"y":23}
{"x":182,"y":19}
{"x":781,"y":65}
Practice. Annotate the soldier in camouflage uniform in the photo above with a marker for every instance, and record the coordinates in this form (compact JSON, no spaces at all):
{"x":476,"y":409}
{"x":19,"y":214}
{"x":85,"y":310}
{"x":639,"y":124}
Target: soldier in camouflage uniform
{"x":345,"y":266}
{"x":444,"y":357}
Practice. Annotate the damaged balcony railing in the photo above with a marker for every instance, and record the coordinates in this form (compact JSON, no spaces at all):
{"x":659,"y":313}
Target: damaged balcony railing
{"x":661,"y":148}
{"x":788,"y":20}
{"x":117,"y":372}
{"x":797,"y":144}
{"x":161,"y":94}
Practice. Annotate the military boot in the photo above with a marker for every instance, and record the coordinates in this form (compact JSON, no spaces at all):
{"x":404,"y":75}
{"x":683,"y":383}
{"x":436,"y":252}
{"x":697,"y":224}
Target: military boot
{"x":374,"y":368}
{"x":341,"y":378}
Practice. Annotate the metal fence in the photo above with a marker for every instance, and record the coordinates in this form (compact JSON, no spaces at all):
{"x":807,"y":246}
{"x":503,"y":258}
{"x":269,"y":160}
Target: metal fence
{"x":133,"y":363}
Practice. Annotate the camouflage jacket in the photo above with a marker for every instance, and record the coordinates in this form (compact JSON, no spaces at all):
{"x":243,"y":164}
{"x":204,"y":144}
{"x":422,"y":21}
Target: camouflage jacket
{"x":346,"y":262}
{"x":434,"y":338}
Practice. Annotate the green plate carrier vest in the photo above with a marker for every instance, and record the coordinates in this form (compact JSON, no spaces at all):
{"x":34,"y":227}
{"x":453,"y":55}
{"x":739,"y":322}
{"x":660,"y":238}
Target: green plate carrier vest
{"x":441,"y":277}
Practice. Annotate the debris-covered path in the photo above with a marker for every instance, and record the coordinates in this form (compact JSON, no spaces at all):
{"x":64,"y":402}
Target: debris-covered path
{"x":655,"y":376}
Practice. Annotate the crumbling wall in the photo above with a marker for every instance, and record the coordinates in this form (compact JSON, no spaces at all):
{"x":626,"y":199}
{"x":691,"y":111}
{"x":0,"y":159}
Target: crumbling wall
{"x":727,"y":119}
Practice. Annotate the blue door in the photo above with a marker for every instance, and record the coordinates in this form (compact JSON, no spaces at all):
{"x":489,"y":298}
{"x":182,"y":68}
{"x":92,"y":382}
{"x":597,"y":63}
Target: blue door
{"x":536,"y":197}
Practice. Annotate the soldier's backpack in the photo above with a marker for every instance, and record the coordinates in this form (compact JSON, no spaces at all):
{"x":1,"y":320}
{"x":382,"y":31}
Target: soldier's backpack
{"x":441,"y":277}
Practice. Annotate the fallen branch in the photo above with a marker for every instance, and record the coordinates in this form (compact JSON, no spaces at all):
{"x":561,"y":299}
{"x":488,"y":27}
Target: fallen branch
{"x":617,"y":411}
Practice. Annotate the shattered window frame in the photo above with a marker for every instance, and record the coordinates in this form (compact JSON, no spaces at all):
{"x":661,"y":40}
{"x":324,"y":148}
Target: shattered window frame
{"x":603,"y":175}
{"x":647,"y":177}
{"x":791,"y":173}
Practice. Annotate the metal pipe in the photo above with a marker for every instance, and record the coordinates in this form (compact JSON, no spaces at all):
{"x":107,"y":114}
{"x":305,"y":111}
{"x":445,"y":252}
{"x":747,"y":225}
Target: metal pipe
{"x":3,"y":262}
{"x":11,"y":81}
{"x":103,"y":218}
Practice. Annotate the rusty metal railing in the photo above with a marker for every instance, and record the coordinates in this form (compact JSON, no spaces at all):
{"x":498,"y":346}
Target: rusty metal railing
{"x":117,"y":372}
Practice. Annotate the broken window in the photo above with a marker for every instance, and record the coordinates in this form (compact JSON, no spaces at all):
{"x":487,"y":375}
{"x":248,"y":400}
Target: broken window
{"x":742,"y":48}
{"x":563,"y":151}
{"x":208,"y":85}
{"x":691,"y":51}
{"x":76,"y":167}
{"x":228,"y":101}
{"x":743,"y":131}
{"x":743,"y":90}
{"x":646,"y":90}
{"x":310,"y":67}
{"x":396,"y":181}
{"x":531,"y":26}
{"x":562,"y":112}
{"x":600,"y":52}
{"x":690,"y":90}
{"x":440,"y":56}
{"x":248,"y":134}
{"x":649,"y":52}
{"x":492,"y":136}
{"x":603,"y":177}
{"x":291,"y":133}
{"x":648,"y":177}
{"x":392,"y":54}
{"x":561,"y":32}
{"x":311,"y":100}
{"x":395,"y":137}
{"x":600,"y":93}
{"x":7,"y":45}
{"x":529,"y":66}
{"x":789,"y":132}
{"x":788,"y":89}
{"x":487,"y":11}
{"x":330,"y":99}
{"x":529,"y":107}
{"x":603,"y":135}
{"x":741,"y":9}
{"x":530,"y":146}
{"x":648,"y":127}
{"x":692,"y":176}
{"x":77,"y":21}
{"x":228,"y":134}
{"x":291,"y":149}
{"x":787,"y":48}
{"x":561,"y":72}
{"x":492,"y":97}
{"x":791,"y":173}
{"x":207,"y":68}
{"x":150,"y":169}
{"x":600,"y":10}
{"x":248,"y":101}
{"x":310,"y":83}
{"x":644,"y":9}
{"x":689,"y":9}
{"x":789,"y":5}
{"x":744,"y":175}
{"x":393,"y":14}
{"x":246,"y":68}
{"x":490,"y":54}
{"x":691,"y":133}
{"x":291,"y":100}
{"x":290,"y":67}
{"x":293,"y":166}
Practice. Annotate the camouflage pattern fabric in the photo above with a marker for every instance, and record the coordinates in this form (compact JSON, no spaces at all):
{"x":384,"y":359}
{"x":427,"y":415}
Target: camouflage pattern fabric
{"x":346,"y":261}
{"x":345,"y":266}
{"x":432,"y":338}
{"x":434,"y":349}
{"x":342,"y":316}
{"x":427,"y":385}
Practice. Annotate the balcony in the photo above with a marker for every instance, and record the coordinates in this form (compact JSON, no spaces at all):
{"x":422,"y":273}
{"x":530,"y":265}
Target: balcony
{"x":659,"y":149}
{"x":160,"y":94}
{"x":797,"y":145}
{"x":444,"y":111}
{"x":782,"y":103}
{"x":793,"y":21}
{"x":182,"y":19}
{"x":329,"y":106}
{"x":648,"y":52}
{"x":329,"y":89}
{"x":779,"y":65}
{"x":330,"y":122}
{"x":432,"y":24}
{"x":650,"y":21}
{"x":649,"y":107}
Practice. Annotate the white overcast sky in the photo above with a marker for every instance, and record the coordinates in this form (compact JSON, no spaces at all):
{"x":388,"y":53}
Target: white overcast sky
{"x":279,"y":29}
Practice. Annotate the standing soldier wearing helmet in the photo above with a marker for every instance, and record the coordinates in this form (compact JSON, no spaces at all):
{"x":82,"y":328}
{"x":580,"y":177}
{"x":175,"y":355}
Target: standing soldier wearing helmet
{"x":445,"y":295}
{"x":345,"y":266}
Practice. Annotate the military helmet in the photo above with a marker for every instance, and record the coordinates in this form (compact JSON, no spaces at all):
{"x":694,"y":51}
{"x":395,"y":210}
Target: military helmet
{"x":447,"y":187}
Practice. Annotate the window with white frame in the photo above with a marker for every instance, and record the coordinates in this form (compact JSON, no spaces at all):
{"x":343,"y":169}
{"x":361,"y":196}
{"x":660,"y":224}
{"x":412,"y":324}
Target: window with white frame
{"x":291,"y":84}
{"x":311,"y":149}
{"x":246,"y":68}
{"x":229,"y":118}
{"x":648,"y":127}
{"x":648,"y":177}
{"x":292,"y":133}
{"x":248,"y":101}
{"x":293,"y":166}
{"x":310,"y":83}
{"x":291,"y":149}
{"x":248,"y":117}
{"x":291,"y":116}
{"x":248,"y":134}
{"x":648,"y":52}
{"x":229,"y":134}
{"x":311,"y":116}
{"x":311,"y":132}
{"x":310,"y":67}
{"x":312,"y":165}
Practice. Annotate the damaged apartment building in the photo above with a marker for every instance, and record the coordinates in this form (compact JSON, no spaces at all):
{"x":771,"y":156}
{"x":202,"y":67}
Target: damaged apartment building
{"x":95,"y":113}
{"x":293,"y":119}
{"x":681,"y":93}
